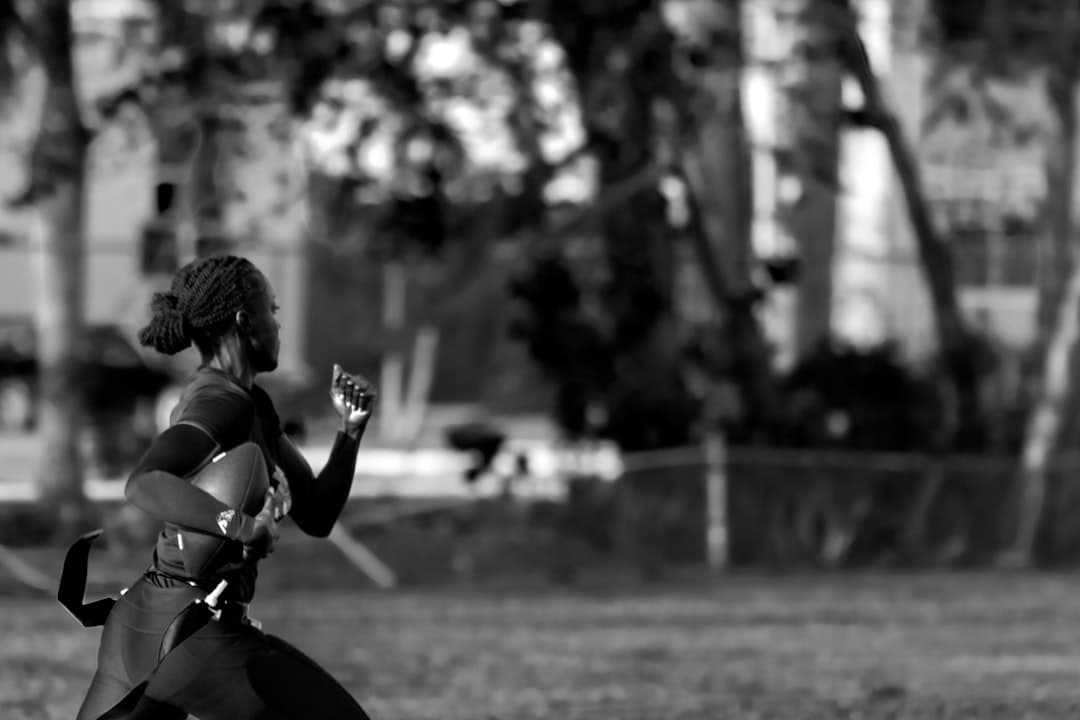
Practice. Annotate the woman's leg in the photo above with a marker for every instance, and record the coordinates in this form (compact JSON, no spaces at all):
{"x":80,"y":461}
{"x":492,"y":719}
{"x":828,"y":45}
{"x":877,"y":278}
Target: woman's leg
{"x":206,"y":675}
{"x":276,"y":675}
{"x":104,"y":695}
{"x":148,"y":708}
{"x":242,"y":674}
{"x":127,"y":653}
{"x":112,"y":700}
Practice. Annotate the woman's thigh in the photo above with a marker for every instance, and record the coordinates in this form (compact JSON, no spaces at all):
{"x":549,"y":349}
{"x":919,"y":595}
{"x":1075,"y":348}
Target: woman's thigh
{"x":248,"y":675}
{"x":128,"y":649}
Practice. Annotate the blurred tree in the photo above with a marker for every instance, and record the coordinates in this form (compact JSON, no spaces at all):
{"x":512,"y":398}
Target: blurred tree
{"x":193,"y":115}
{"x":808,"y":158}
{"x":191,"y":94}
{"x":55,"y":192}
{"x":660,"y":96}
{"x":955,"y":341}
{"x":380,"y":93}
{"x":620,"y":56}
{"x":1057,"y":322}
{"x":1019,"y":41}
{"x":840,"y":396}
{"x":420,"y":122}
{"x":328,"y":77}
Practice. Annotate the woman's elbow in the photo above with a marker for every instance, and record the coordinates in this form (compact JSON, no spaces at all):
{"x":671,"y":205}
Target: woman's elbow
{"x":319,"y":530}
{"x":137,"y":490}
{"x":315,"y":527}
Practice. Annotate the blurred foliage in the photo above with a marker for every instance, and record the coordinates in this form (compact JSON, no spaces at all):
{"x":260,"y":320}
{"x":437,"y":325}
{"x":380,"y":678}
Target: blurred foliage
{"x":1004,"y":34}
{"x":841,"y":396}
{"x":434,"y":128}
{"x":410,"y":109}
{"x":423,"y":122}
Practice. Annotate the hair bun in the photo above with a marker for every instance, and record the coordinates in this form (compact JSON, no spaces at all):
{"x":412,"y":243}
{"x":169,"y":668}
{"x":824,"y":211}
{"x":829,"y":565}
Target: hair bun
{"x":168,"y":331}
{"x":165,"y":302}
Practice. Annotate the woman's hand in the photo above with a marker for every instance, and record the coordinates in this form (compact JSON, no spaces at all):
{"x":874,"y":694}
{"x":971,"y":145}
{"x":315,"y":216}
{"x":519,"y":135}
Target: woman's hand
{"x":281,"y":493}
{"x":260,"y":541}
{"x":353,"y":398}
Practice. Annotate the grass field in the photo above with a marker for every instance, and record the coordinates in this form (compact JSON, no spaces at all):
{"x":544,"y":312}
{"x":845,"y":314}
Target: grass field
{"x":901,"y":646}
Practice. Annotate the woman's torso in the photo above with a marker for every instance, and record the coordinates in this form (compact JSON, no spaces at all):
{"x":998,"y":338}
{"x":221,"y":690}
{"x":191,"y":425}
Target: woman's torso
{"x":210,"y":391}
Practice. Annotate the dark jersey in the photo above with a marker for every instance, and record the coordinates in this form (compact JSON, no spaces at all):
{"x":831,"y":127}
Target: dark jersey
{"x":215,"y":414}
{"x":228,"y":415}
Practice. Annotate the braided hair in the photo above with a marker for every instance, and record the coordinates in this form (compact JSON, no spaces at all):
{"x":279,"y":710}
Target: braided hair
{"x":200,"y":306}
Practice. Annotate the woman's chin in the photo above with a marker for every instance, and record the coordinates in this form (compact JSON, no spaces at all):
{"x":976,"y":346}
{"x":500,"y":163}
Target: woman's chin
{"x":267,"y":365}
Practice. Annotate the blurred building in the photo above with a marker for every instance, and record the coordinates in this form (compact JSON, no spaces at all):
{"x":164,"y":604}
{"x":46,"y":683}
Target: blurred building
{"x":984,"y":175}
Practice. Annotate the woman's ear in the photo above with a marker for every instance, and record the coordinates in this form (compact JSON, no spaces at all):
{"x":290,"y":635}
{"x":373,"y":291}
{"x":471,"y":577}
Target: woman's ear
{"x":243,"y":321}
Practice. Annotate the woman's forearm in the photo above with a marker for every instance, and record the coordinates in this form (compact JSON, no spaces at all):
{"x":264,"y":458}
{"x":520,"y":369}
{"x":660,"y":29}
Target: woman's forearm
{"x":317,"y":501}
{"x":175,"y":500}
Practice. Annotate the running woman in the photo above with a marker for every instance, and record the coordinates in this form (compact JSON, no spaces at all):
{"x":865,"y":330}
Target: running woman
{"x":228,"y":670}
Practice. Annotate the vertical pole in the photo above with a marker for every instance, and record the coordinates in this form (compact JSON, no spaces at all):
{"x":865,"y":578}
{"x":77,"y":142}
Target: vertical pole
{"x":393,"y":364}
{"x":421,"y":376}
{"x":716,"y":483}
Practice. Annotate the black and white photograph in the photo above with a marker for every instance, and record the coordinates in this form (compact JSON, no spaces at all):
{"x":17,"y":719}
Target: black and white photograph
{"x":539,"y":359}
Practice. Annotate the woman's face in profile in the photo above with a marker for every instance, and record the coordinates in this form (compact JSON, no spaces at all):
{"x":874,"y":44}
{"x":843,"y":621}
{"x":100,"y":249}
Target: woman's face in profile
{"x":264,"y":338}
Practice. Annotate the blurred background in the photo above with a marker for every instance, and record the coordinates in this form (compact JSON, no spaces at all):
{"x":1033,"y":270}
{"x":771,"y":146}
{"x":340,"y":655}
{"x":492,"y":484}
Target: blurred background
{"x":653,"y":291}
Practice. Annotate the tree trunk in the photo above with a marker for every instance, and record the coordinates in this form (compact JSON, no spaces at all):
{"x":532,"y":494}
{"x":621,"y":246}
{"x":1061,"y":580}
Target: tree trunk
{"x":814,"y":119}
{"x":715,"y":154}
{"x":191,"y":131}
{"x":935,"y":256}
{"x":210,"y":186}
{"x":1044,"y":425}
{"x":1058,"y":304}
{"x":58,"y":179}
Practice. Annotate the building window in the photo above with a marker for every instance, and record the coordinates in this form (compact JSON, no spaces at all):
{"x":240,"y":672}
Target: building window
{"x":995,"y":257}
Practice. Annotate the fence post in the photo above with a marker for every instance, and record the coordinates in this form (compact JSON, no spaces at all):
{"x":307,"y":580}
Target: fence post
{"x":716,"y":483}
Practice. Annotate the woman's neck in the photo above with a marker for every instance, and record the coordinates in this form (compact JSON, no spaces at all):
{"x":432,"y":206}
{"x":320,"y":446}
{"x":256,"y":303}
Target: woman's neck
{"x":232,"y":365}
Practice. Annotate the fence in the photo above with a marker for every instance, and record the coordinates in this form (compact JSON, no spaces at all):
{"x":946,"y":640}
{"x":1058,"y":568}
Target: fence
{"x":825,"y":509}
{"x":781,"y":509}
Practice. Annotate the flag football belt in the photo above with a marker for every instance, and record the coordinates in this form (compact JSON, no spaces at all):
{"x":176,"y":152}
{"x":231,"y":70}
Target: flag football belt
{"x":161,"y":578}
{"x":72,"y":590}
{"x":230,"y":610}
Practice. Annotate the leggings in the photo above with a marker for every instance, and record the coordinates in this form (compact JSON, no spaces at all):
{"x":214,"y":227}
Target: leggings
{"x":226,"y":671}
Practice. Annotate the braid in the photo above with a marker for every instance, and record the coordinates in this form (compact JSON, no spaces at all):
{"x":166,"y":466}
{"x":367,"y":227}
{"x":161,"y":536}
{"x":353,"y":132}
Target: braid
{"x":205,"y":296}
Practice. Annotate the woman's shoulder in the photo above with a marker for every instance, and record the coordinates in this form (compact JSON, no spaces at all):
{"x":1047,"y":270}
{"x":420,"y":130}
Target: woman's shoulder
{"x":214,"y":403}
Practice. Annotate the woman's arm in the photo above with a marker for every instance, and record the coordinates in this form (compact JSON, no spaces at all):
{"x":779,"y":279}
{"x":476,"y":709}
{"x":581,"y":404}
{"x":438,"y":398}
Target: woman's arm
{"x":158,"y":485}
{"x":317,"y":502}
